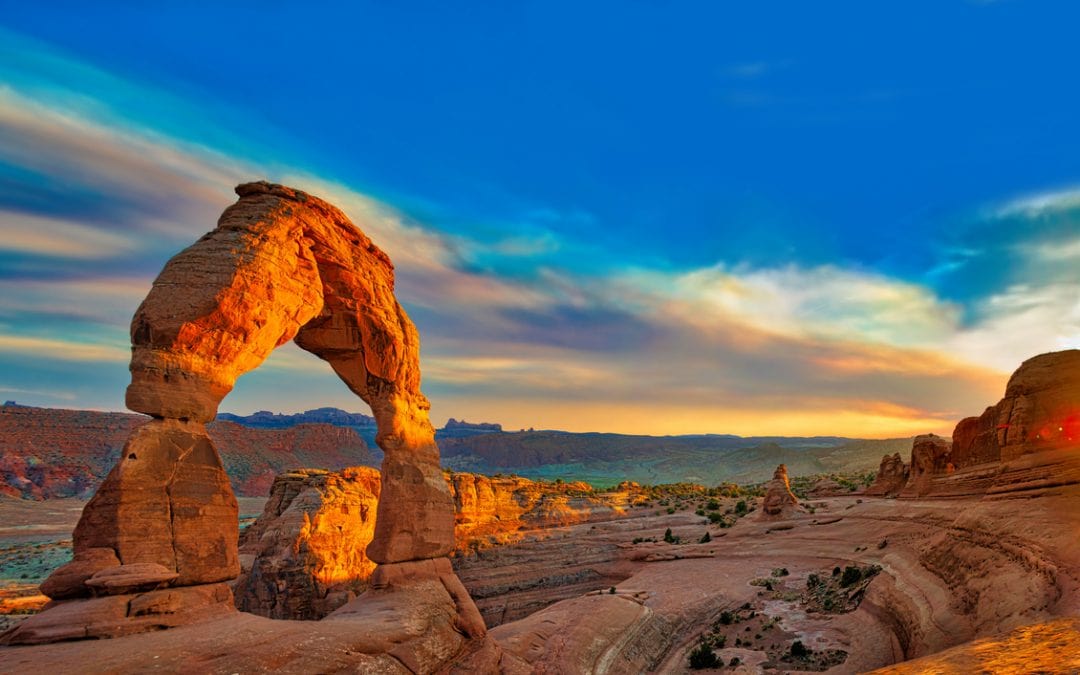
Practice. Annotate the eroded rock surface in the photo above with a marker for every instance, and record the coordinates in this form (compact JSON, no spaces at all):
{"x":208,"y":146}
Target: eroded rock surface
{"x":281,"y":265}
{"x":305,"y":556}
{"x":891,"y":477}
{"x":779,"y":501}
{"x":1028,"y":443}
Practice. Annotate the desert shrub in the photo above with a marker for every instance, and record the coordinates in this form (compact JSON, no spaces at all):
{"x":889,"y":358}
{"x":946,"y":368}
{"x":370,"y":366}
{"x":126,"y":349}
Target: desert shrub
{"x":812,"y":580}
{"x":836,"y":571}
{"x":741,"y":508}
{"x":851,"y":575}
{"x":727,"y":618}
{"x":703,"y":657}
{"x":668,"y":537}
{"x":611,"y":590}
{"x":780,"y":572}
{"x":734,"y":661}
{"x":671,"y":510}
{"x":705,"y":538}
{"x":699,"y":512}
{"x":798,"y":649}
{"x":713,"y":505}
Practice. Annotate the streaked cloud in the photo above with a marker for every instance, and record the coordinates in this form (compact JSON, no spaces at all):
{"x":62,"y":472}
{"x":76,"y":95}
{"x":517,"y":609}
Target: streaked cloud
{"x":509,"y":334}
{"x":63,"y":350}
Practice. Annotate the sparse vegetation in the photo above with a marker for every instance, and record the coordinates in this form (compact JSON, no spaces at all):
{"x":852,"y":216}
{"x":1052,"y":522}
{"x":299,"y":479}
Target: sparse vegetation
{"x":702,"y":657}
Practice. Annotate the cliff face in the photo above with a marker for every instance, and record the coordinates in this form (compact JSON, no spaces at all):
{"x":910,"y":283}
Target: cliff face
{"x":305,"y":555}
{"x":1028,"y":443}
{"x":47,"y":453}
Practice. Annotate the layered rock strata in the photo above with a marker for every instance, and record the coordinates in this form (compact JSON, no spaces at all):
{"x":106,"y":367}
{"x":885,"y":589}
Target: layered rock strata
{"x":280,"y":266}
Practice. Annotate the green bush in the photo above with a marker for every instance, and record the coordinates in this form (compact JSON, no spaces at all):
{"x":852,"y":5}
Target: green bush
{"x":851,"y":575}
{"x":741,"y":508}
{"x":705,"y":538}
{"x":798,"y":649}
{"x":703,"y":657}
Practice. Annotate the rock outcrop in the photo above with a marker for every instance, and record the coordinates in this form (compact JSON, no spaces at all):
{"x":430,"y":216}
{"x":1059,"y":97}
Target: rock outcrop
{"x":280,"y":266}
{"x":891,"y":477}
{"x":1040,"y":411}
{"x":930,"y":456}
{"x":779,"y":501}
{"x":1028,"y":443}
{"x":305,"y":555}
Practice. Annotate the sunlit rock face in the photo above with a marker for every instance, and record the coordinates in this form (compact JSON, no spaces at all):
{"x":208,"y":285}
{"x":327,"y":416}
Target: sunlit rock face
{"x":891,"y":477}
{"x":281,"y":265}
{"x":304,"y":557}
{"x":306,"y":554}
{"x":779,"y":501}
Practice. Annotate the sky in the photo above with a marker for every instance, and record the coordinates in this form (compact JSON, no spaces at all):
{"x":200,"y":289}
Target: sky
{"x":773,"y":218}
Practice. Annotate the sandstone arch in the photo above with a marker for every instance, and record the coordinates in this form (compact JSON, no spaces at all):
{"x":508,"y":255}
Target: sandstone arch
{"x":281,"y":265}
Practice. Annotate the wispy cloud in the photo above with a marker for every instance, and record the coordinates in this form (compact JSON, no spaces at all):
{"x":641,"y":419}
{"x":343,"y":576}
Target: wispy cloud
{"x":63,"y":350}
{"x":721,"y":348}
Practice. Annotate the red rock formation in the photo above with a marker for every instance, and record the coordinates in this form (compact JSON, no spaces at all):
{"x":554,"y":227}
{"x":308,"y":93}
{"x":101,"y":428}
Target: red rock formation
{"x":891,"y":477}
{"x":47,"y":452}
{"x":929,"y":457}
{"x":1028,"y":442}
{"x":779,"y":501}
{"x":281,"y":265}
{"x":1040,"y":411}
{"x":304,"y":556}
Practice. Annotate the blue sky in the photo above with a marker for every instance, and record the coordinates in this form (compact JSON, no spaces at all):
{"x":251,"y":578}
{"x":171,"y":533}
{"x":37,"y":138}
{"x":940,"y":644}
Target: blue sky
{"x":851,"y":218}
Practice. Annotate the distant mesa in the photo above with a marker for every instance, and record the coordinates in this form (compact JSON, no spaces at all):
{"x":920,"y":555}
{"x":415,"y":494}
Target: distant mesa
{"x":453,"y":424}
{"x":270,"y":420}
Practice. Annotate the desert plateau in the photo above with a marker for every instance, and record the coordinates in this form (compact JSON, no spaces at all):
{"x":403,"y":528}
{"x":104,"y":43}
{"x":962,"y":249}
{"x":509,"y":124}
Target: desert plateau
{"x":539,"y":338}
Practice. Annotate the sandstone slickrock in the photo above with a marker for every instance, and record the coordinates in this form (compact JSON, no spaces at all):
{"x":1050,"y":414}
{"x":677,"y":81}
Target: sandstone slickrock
{"x":779,"y":501}
{"x":281,"y":265}
{"x":304,"y":556}
{"x":891,"y":477}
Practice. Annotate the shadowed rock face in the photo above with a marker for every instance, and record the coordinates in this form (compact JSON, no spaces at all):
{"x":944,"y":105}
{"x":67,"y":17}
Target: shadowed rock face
{"x":1040,"y":411}
{"x":280,"y":266}
{"x":1029,"y":442}
{"x":891,"y":477}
